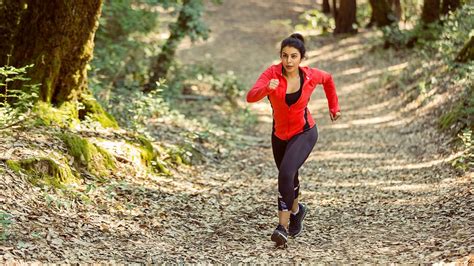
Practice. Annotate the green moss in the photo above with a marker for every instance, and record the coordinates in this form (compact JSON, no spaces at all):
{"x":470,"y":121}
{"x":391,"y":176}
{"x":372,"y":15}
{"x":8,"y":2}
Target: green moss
{"x":109,"y":160}
{"x":14,"y":165}
{"x":47,"y":88}
{"x":66,"y":116}
{"x":95,"y":111}
{"x":161,"y":167}
{"x":150,"y":156}
{"x":185,"y":154}
{"x":78,"y":147}
{"x":45,"y":171}
{"x":146,"y":149}
{"x":97,"y":160}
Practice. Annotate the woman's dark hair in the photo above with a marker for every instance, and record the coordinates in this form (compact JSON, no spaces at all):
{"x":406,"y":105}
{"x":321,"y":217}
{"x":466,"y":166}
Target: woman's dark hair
{"x":296,"y":41}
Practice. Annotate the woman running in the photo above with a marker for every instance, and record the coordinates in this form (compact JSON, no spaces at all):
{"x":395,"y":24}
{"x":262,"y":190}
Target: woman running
{"x":288,"y":86}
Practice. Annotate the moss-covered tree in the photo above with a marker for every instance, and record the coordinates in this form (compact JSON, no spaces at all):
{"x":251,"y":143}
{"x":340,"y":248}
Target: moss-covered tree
{"x":189,"y":23}
{"x":57,"y":37}
{"x":346,"y":17}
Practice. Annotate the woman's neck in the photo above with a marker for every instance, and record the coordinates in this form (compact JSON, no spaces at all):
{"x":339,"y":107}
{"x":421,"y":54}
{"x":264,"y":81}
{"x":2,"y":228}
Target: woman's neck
{"x":291,"y":75}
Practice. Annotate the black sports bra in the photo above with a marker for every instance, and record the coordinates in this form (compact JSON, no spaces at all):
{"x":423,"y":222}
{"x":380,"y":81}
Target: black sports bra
{"x":292,"y":98}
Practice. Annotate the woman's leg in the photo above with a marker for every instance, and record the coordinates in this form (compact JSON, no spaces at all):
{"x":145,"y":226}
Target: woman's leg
{"x":297,"y":151}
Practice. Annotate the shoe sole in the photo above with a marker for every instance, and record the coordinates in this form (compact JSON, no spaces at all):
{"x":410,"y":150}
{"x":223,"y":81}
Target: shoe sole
{"x":302,"y":225}
{"x":279,"y":238}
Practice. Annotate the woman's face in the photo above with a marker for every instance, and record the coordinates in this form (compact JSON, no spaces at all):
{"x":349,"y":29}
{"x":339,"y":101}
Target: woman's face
{"x":290,"y":58}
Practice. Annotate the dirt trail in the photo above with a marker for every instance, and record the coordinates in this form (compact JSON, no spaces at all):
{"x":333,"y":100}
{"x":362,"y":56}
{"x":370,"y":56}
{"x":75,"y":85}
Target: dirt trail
{"x":378,"y":188}
{"x":376,"y":183}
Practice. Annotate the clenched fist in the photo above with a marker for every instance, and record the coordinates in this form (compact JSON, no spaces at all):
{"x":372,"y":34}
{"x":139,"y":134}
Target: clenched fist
{"x":273,"y":84}
{"x":335,"y":116}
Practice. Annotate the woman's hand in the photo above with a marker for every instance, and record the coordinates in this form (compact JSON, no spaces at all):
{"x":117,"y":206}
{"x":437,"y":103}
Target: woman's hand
{"x":273,"y":84}
{"x":335,"y":117}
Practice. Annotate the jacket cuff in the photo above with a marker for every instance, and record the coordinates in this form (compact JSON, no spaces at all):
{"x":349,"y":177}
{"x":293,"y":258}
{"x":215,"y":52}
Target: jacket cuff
{"x":334,"y":110}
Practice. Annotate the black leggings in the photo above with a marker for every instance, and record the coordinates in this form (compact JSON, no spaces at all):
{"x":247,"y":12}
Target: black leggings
{"x":289,"y":157}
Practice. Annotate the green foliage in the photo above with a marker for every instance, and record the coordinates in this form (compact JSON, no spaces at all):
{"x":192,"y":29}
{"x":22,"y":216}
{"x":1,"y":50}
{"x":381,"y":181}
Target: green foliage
{"x":446,"y":37}
{"x":122,"y":54}
{"x":314,"y":19}
{"x":122,"y":45}
{"x":5,"y":222}
{"x":438,"y":44}
{"x":458,"y":28}
{"x":15,"y":103}
{"x":363,"y":13}
{"x":227,"y":83}
{"x":396,"y":37}
{"x":421,"y":35}
{"x":192,"y":25}
{"x":466,"y":160}
{"x":122,"y":48}
{"x":120,"y":19}
{"x":133,"y":108}
{"x":462,"y":112}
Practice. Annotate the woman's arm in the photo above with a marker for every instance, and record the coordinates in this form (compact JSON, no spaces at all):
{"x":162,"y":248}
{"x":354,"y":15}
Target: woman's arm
{"x":329,"y":89}
{"x":261,"y":87}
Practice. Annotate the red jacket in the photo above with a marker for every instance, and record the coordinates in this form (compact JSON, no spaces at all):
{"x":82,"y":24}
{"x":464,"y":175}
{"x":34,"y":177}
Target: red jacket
{"x":291,"y":120}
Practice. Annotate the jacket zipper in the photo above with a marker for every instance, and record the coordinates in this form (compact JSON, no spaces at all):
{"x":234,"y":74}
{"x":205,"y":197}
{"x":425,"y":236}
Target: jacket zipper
{"x":289,"y":107}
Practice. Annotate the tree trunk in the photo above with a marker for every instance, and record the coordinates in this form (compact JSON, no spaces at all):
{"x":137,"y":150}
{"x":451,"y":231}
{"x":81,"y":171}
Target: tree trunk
{"x":57,"y":37}
{"x":430,"y":13}
{"x":326,"y":7}
{"x":346,"y":18}
{"x":467,"y":52}
{"x":381,"y":12}
{"x":182,"y":27}
{"x":334,"y":9}
{"x":449,"y":5}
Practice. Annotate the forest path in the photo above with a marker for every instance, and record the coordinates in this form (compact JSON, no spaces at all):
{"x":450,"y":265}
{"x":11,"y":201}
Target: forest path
{"x":376,"y":184}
